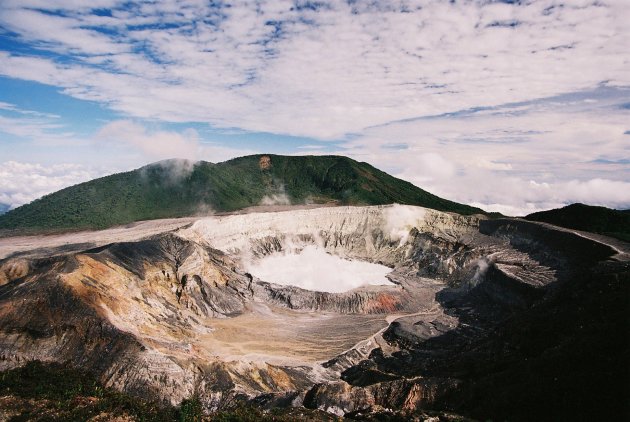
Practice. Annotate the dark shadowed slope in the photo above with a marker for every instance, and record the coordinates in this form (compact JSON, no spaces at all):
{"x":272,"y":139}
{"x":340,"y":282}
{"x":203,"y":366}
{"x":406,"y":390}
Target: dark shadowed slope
{"x":601,"y":220}
{"x":176,"y":188}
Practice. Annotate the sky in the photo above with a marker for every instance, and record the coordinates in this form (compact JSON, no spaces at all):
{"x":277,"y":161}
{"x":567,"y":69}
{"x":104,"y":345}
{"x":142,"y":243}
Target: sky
{"x":512,"y":106}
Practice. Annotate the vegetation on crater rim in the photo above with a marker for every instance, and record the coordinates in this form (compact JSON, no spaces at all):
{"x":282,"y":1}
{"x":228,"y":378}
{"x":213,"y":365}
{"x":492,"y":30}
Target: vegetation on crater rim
{"x":177,"y":188}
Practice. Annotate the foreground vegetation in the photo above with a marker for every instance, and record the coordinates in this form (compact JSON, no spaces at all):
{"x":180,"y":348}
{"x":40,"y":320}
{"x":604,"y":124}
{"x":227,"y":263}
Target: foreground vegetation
{"x":53,"y":392}
{"x":176,"y":188}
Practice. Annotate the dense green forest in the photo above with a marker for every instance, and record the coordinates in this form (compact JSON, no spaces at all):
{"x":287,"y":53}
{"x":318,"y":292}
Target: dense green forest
{"x":175,"y":188}
{"x":601,"y":220}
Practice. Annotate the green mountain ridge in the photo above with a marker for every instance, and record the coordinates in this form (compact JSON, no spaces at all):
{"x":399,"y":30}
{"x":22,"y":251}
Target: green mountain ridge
{"x":602,"y":220}
{"x":180,"y":188}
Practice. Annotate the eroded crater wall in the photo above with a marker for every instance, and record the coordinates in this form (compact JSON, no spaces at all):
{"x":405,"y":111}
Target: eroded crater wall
{"x":150,"y":306}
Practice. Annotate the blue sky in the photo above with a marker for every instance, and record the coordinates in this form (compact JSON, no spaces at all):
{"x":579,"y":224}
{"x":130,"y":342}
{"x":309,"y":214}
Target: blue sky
{"x":511,"y":106}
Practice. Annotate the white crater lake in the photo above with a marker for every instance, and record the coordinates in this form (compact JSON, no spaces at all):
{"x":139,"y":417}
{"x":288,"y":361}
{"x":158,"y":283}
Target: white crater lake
{"x":313,"y":268}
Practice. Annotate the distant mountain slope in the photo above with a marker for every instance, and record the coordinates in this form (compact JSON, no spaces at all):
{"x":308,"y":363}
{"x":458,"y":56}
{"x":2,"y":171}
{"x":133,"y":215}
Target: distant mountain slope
{"x":176,"y":188}
{"x":589,"y":218}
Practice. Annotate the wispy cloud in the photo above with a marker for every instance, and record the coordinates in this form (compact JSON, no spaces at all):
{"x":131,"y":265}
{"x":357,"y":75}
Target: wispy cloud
{"x":321,"y":69}
{"x":164,"y":144}
{"x":155,"y":145}
{"x":29,"y":123}
{"x":517,"y":158}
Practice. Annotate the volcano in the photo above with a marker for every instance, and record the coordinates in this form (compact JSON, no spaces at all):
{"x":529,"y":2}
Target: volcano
{"x":408,"y":311}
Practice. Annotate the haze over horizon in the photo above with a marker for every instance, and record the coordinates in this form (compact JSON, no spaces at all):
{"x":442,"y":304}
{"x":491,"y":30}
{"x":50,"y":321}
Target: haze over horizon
{"x":512,"y":106}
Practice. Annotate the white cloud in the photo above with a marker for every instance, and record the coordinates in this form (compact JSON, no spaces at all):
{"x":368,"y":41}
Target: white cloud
{"x":21,"y":183}
{"x":29,"y":123}
{"x":311,"y":147}
{"x":28,"y":127}
{"x":515,"y":159}
{"x":323,"y":73}
{"x":155,"y":145}
{"x":57,"y":33}
{"x":429,"y":166}
{"x":13,"y":108}
{"x":163,"y":144}
{"x":521,"y":197}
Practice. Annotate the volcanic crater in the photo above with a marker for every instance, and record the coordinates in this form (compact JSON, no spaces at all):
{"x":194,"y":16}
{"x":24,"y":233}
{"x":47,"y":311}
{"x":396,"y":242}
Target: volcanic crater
{"x":182,"y":307}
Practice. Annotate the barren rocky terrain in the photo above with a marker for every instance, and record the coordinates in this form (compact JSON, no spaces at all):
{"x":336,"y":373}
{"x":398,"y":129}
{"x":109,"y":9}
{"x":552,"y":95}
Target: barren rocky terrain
{"x":479,"y":311}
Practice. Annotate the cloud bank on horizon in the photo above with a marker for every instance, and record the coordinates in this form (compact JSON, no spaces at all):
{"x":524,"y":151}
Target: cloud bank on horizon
{"x":512,"y":106}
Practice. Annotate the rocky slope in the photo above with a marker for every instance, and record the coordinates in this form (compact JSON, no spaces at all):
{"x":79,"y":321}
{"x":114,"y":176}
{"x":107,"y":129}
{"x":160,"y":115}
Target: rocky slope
{"x":478,"y":306}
